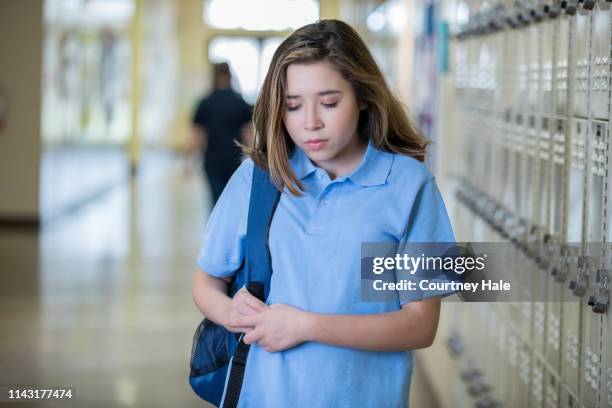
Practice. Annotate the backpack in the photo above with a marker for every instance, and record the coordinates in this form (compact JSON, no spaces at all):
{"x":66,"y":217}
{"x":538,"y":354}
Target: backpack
{"x":218,"y":356}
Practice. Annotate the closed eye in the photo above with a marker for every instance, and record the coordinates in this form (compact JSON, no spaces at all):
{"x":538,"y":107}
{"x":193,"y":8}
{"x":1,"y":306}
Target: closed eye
{"x":327,"y":105}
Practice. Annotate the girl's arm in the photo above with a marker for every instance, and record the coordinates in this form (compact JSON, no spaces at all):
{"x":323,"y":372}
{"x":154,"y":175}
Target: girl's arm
{"x":282,"y":327}
{"x":413,"y":326}
{"x":210,"y":296}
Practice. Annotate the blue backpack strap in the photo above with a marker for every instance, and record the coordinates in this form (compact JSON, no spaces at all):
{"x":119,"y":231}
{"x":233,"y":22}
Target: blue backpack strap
{"x":258,"y":265}
{"x":257,"y":269}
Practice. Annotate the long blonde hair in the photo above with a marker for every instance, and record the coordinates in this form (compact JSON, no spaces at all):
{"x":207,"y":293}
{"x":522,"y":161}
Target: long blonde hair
{"x":384,"y":120}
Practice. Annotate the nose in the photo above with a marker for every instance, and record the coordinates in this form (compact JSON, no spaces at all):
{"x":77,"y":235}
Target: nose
{"x":312,"y":121}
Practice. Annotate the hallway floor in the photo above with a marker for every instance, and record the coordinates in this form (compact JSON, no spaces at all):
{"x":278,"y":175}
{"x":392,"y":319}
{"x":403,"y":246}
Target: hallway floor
{"x":100,"y":301}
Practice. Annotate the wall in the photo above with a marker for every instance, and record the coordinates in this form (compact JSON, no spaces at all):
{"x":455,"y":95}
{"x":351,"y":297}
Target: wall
{"x":20,"y":77}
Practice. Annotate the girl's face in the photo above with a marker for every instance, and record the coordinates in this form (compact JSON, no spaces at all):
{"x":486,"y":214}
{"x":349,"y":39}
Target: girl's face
{"x":321,"y":114}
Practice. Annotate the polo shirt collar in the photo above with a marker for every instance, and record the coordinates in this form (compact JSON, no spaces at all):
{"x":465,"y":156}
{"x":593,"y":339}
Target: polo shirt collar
{"x":373,"y":170}
{"x":302,"y":166}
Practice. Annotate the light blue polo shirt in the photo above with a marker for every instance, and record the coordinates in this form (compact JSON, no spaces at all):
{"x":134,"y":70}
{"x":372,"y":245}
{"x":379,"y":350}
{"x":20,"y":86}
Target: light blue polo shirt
{"x":315,"y":242}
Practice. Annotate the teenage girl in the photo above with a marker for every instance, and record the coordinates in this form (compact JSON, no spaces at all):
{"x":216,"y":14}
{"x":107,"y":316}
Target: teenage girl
{"x":349,"y":164}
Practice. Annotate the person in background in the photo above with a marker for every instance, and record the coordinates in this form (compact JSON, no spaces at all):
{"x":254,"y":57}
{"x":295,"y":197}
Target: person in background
{"x":221,"y":119}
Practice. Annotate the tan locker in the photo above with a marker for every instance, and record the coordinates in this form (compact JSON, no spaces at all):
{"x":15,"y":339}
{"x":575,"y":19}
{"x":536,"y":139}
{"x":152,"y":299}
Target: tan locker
{"x":600,"y":60}
{"x":548,"y":29}
{"x":513,"y":345}
{"x":577,"y":169}
{"x":552,"y":388}
{"x":558,"y":176}
{"x":597,"y":146}
{"x":504,"y":373}
{"x":538,"y":378}
{"x":563,"y":23}
{"x":606,"y":381}
{"x":581,"y":63}
{"x":570,"y":343}
{"x":591,"y":358}
{"x":539,"y":326}
{"x":553,"y":330}
{"x":524,"y":375}
{"x":568,"y":399}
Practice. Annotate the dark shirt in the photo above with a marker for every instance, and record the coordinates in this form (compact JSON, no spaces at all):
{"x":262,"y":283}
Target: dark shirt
{"x":222,"y":115}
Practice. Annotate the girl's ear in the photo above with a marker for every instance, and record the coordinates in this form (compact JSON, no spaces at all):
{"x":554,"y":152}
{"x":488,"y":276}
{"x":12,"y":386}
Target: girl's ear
{"x":362,"y":106}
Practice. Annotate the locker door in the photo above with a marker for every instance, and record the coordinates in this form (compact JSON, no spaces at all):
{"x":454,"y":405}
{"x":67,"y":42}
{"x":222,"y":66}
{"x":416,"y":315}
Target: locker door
{"x":525,"y":375}
{"x":606,"y":382}
{"x":538,"y":371}
{"x":568,"y":398}
{"x":512,"y":344}
{"x":571,"y":341}
{"x":551,"y":389}
{"x":597,"y":172}
{"x":600,"y":61}
{"x":581,"y":63}
{"x":563,"y":23}
{"x":591,"y":369}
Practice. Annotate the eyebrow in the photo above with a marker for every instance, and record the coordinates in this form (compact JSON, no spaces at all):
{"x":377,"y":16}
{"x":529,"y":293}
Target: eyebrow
{"x":322,"y":93}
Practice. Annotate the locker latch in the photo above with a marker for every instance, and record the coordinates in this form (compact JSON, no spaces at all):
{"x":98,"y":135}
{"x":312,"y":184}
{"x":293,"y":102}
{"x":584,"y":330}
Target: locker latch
{"x":536,"y":12}
{"x":560,"y":270}
{"x":471,"y":373}
{"x":497,"y":18}
{"x":486,"y":401}
{"x":580,"y":283}
{"x":569,"y":6}
{"x":455,"y":344}
{"x":518,"y":231}
{"x":547,"y":251}
{"x":552,"y":10}
{"x":533,"y":244}
{"x":478,"y":387}
{"x":600,"y":298}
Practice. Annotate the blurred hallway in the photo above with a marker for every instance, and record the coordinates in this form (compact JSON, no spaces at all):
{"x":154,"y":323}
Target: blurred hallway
{"x":106,"y":308}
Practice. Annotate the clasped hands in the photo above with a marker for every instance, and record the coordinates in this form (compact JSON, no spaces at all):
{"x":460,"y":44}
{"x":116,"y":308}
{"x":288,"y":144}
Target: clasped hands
{"x":275,"y":327}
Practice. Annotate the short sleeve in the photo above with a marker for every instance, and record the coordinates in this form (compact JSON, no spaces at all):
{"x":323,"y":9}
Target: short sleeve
{"x":428,"y":220}
{"x":222,"y":250}
{"x":428,"y":223}
{"x":199,"y":115}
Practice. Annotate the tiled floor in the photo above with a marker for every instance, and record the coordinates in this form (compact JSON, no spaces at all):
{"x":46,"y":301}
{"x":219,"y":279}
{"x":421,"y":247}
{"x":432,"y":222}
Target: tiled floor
{"x":101,"y":301}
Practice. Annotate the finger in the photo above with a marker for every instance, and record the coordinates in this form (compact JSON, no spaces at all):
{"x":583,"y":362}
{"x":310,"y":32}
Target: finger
{"x":245,"y":309}
{"x":253,"y":302}
{"x":253,"y":337}
{"x":250,"y":320}
{"x":240,"y":329}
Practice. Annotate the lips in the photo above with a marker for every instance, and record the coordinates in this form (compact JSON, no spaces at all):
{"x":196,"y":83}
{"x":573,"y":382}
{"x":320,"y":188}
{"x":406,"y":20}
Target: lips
{"x":316,"y":144}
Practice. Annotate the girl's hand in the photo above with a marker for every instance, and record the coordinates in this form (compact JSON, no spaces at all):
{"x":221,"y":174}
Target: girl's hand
{"x":278,"y":328}
{"x":242,"y":304}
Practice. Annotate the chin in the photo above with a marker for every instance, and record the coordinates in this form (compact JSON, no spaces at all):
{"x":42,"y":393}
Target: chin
{"x":320,"y":155}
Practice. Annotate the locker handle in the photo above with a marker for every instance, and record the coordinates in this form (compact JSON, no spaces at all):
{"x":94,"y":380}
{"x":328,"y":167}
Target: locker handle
{"x":579,"y":285}
{"x":552,"y":10}
{"x":587,"y":4}
{"x":523,"y":18}
{"x":600,"y":298}
{"x":569,"y":6}
{"x":536,"y":14}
